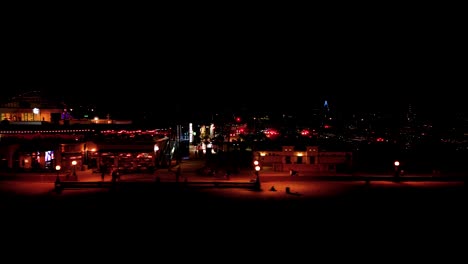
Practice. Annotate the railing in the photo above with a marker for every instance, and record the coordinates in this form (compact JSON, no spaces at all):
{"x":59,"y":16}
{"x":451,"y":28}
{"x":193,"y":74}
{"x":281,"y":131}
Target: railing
{"x":59,"y":186}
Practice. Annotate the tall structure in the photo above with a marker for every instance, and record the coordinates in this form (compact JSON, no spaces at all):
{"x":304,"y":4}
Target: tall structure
{"x":410,"y":116}
{"x":327,"y":116}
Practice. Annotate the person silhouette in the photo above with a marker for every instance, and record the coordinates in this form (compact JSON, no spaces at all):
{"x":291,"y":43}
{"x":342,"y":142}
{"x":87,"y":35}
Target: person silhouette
{"x":103,"y":171}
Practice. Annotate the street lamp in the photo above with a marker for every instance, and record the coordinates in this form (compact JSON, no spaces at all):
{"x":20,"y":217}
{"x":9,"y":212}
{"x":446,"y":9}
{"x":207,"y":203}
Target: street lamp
{"x":257,"y":174}
{"x":396,"y":164}
{"x":57,"y":180}
{"x":74,"y":168}
{"x":57,"y":168}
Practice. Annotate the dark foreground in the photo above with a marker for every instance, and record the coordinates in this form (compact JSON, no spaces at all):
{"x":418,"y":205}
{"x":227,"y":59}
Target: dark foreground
{"x":313,"y":215}
{"x":342,"y":202}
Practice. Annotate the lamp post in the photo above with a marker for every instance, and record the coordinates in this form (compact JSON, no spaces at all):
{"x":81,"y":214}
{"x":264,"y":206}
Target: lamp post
{"x":57,"y":180}
{"x":257,"y":174}
{"x":74,"y":168}
{"x":396,"y":175}
{"x":57,"y":168}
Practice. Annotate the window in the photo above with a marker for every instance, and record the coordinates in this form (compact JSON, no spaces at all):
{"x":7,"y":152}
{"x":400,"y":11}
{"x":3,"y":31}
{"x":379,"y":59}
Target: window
{"x":312,"y":160}
{"x":299,"y":160}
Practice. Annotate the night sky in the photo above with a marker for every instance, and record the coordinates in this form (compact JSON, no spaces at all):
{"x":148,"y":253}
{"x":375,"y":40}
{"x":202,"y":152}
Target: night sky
{"x":276,"y":65}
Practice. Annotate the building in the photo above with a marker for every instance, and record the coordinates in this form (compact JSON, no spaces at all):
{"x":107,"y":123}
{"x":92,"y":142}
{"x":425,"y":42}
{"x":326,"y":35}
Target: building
{"x":32,"y":108}
{"x":309,"y":160}
{"x":38,"y":133}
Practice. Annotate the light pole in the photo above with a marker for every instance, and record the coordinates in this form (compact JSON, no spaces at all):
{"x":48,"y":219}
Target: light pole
{"x":257,"y":174}
{"x":396,"y":175}
{"x":74,"y":168}
{"x":57,"y":168}
{"x":57,"y":180}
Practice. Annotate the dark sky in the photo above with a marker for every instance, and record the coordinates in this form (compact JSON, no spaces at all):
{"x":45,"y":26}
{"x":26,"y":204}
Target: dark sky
{"x":279,"y":64}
